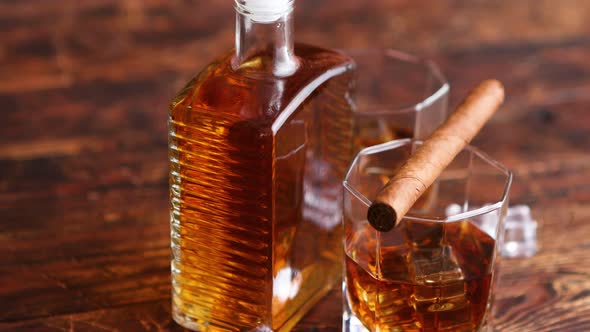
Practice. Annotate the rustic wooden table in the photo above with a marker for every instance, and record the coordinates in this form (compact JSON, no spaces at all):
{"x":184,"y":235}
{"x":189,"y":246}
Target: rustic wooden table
{"x":84,"y":88}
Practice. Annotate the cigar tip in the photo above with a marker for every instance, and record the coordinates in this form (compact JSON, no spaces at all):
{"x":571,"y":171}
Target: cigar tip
{"x":382,"y":217}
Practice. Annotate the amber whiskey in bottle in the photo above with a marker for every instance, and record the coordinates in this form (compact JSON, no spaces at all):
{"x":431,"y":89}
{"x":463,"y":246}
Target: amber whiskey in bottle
{"x":259,"y":141}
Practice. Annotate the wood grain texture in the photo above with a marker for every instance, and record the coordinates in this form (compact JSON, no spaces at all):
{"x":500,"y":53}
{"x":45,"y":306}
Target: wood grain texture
{"x":84,"y":88}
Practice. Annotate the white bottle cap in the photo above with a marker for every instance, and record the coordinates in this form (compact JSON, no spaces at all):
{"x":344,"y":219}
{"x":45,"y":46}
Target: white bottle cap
{"x":264,"y":11}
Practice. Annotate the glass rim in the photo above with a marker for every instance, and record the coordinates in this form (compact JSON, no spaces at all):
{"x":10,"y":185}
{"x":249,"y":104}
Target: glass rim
{"x":454,"y":217}
{"x":433,"y":68}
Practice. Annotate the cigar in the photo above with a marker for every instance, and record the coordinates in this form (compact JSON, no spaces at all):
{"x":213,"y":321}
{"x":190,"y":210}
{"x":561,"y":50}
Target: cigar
{"x":429,"y":160}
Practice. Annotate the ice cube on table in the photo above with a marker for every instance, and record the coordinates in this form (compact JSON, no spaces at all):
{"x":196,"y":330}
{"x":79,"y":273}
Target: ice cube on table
{"x":520,"y":237}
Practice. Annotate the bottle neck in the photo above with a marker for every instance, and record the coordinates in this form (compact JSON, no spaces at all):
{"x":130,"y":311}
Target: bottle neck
{"x":270,"y":31}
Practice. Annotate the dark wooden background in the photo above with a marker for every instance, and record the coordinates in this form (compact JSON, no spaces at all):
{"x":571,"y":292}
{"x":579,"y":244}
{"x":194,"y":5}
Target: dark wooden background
{"x":84,"y":88}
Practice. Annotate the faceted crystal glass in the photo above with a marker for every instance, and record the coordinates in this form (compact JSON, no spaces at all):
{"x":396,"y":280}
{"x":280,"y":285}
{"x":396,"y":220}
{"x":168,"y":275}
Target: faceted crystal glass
{"x":435,"y":271}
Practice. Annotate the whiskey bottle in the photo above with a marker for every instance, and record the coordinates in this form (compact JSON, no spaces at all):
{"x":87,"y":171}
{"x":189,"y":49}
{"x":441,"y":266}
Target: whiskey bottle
{"x":259,"y":142}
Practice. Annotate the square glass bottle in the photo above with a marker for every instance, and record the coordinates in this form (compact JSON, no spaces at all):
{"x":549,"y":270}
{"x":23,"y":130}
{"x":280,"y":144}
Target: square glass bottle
{"x":259,"y":142}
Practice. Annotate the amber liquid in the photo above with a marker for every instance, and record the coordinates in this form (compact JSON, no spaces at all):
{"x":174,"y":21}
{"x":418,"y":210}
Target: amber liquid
{"x":438,"y":279}
{"x":255,"y":190}
{"x":377,"y":131}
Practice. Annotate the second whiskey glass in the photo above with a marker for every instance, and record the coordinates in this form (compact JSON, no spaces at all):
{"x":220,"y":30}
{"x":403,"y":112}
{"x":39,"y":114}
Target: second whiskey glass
{"x":398,"y":95}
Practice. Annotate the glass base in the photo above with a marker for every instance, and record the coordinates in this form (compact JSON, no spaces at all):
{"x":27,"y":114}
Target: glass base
{"x":185,"y":321}
{"x":188,"y":323}
{"x":351,"y":323}
{"x":310,"y":295}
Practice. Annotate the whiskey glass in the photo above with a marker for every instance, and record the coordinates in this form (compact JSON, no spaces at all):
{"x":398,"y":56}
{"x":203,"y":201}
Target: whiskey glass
{"x":435,"y":271}
{"x":398,"y":95}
